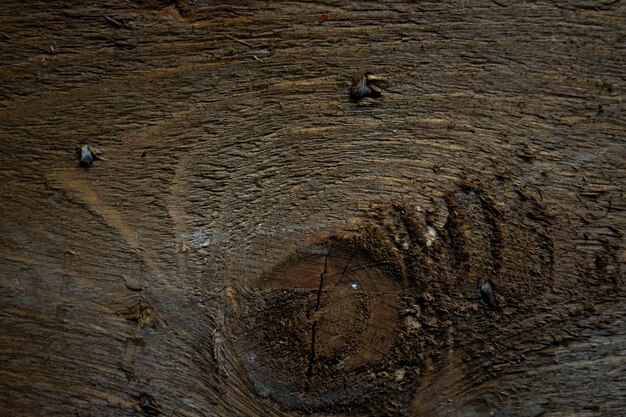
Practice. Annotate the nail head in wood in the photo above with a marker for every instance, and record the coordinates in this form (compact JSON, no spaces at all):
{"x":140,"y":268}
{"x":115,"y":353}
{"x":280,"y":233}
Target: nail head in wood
{"x":85,"y":156}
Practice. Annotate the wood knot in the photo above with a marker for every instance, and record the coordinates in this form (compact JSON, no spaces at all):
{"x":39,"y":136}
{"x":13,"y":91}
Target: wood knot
{"x":321,"y":322}
{"x":141,"y":312}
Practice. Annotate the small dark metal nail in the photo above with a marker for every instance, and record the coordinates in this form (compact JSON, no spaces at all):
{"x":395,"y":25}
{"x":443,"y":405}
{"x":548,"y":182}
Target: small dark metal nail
{"x":362,"y":87}
{"x":85,"y":156}
{"x":486,"y":293}
{"x":148,"y":405}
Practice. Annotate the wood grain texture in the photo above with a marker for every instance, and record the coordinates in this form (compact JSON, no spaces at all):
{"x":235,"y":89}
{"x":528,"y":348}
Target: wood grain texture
{"x":230,"y":147}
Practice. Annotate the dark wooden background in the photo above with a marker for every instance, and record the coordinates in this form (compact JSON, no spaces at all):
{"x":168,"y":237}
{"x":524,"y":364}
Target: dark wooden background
{"x":228,"y":143}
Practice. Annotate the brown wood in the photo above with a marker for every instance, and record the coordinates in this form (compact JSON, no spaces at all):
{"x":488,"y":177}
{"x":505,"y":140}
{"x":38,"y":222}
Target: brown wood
{"x":252,"y":241}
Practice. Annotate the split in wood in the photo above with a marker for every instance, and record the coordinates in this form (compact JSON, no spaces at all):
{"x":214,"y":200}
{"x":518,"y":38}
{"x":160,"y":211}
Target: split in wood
{"x":114,"y":23}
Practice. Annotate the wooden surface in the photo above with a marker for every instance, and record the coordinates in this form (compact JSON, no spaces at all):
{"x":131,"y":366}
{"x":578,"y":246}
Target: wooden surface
{"x":253,"y":242}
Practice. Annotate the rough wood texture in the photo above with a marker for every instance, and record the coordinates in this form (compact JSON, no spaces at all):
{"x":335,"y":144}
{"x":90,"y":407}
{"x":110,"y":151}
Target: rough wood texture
{"x":253,"y":242}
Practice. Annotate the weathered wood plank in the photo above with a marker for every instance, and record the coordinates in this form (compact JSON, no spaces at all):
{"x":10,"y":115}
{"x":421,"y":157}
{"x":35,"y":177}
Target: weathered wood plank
{"x":254,"y":242}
